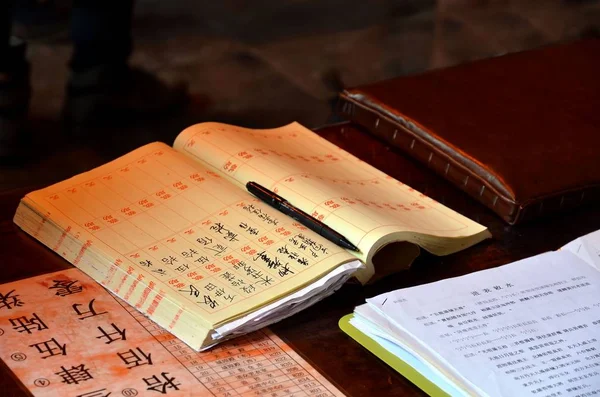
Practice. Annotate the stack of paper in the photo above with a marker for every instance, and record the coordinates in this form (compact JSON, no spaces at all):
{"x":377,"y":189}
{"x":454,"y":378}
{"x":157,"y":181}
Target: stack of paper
{"x":527,"y":328}
{"x":174,"y":232}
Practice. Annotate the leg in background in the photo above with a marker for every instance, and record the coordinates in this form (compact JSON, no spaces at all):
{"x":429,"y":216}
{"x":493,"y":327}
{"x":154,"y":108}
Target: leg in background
{"x":14,"y":87}
{"x":103,"y":87}
{"x":101,"y":33}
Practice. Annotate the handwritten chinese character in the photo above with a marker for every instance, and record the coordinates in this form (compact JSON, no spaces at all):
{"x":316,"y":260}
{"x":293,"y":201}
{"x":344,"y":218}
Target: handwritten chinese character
{"x":170,"y":260}
{"x":249,"y":289}
{"x":204,"y":240}
{"x":227,"y":276}
{"x":189,"y":254}
{"x":182,"y":268}
{"x":218,"y":249}
{"x":231,"y":236}
{"x":193,"y":291}
{"x":161,"y":272}
{"x":146,"y":263}
{"x":265,"y":281}
{"x":284,"y":270}
{"x":210,"y":302}
{"x":229,"y":297}
{"x":218,"y":228}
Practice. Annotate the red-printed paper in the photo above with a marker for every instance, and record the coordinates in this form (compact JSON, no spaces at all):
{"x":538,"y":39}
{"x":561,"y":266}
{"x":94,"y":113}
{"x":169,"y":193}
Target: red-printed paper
{"x":62,"y":334}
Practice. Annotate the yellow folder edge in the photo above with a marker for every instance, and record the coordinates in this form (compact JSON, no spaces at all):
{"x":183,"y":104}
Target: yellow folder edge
{"x":399,"y":365}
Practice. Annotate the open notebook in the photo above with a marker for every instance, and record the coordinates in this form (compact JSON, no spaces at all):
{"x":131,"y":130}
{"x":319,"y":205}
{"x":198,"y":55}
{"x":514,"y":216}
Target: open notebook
{"x":174,"y":233}
{"x":529,"y":328}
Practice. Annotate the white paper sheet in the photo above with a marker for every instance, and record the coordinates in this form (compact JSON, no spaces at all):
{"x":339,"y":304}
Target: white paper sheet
{"x":363,"y":321}
{"x":292,"y":303}
{"x":587,"y":248}
{"x":530,"y":328}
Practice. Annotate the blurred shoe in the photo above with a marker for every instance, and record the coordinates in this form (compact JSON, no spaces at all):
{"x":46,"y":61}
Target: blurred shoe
{"x":15,"y":92}
{"x":115,"y":95}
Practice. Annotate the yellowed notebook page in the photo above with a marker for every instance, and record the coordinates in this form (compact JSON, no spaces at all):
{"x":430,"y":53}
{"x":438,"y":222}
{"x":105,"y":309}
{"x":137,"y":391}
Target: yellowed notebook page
{"x":322,"y":179}
{"x":177,"y":227}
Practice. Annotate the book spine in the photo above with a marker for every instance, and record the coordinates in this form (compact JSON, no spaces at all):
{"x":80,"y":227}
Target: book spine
{"x":403,"y":134}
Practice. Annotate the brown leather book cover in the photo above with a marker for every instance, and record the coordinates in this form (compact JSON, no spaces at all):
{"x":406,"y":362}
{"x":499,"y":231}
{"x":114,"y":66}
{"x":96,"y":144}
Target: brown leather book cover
{"x":519,"y":132}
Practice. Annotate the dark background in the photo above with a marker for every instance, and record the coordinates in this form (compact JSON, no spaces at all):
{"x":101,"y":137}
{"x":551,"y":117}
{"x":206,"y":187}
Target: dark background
{"x":264,"y":63}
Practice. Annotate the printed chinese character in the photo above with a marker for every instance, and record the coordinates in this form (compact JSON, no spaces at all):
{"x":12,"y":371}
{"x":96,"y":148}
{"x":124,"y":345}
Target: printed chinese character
{"x":52,"y":347}
{"x":66,"y":287}
{"x":96,"y":393}
{"x":26,"y":325}
{"x":75,"y":374}
{"x":131,"y":357}
{"x":92,"y":312}
{"x":9,"y":301}
{"x":157,"y":385}
{"x":109,"y":336}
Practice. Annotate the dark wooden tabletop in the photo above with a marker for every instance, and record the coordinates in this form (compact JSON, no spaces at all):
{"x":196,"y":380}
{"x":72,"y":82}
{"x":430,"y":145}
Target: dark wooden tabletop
{"x":314,"y":333}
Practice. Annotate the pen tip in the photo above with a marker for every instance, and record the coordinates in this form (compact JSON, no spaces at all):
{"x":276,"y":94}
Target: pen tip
{"x":352,"y":247}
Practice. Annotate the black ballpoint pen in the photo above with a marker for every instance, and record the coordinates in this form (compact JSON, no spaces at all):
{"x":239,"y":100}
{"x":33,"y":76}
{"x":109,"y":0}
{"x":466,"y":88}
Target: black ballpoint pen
{"x":282,"y":205}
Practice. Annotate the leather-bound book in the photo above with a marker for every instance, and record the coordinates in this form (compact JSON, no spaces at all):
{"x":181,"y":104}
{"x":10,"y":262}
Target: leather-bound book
{"x":518,"y":132}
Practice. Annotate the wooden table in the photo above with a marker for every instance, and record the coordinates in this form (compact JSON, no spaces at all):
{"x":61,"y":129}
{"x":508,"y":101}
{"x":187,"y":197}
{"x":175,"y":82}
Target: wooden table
{"x":314,"y":333}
